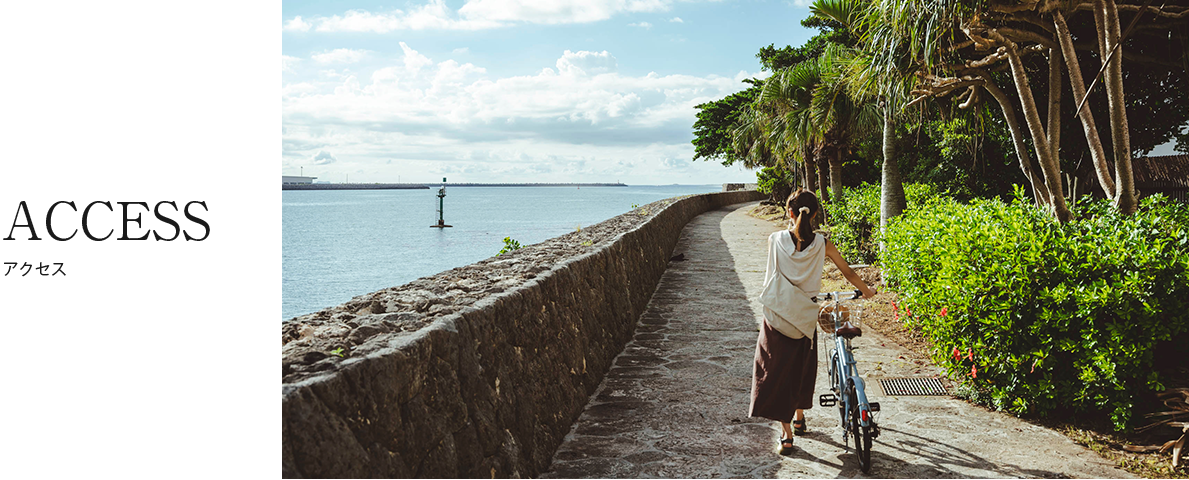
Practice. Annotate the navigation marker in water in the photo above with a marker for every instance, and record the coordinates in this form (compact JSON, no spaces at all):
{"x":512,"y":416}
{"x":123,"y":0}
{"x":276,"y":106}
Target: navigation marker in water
{"x":441,"y":203}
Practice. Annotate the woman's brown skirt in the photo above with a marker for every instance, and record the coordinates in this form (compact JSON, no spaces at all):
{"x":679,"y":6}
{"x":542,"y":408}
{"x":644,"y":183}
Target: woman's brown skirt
{"x":784,"y":375}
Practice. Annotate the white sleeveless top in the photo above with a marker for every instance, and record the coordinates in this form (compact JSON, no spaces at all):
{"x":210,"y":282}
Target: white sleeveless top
{"x":804,"y":268}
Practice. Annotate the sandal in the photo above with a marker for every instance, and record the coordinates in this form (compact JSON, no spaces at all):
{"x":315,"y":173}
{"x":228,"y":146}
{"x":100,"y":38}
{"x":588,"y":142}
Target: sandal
{"x":786,"y":446}
{"x":799,"y":427}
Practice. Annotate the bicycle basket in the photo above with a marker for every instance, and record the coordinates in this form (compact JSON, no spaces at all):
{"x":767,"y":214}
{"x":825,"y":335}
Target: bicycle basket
{"x":826,"y":322}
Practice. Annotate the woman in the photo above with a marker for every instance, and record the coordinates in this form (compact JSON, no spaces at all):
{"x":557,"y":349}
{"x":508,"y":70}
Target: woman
{"x":786,"y":368}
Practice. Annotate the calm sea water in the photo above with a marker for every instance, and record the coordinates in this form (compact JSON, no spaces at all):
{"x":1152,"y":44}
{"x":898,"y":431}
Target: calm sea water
{"x":339,"y":244}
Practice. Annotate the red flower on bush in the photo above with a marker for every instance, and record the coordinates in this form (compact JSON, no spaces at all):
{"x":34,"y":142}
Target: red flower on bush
{"x":943,"y":310}
{"x":894,"y":308}
{"x":974,"y":371}
{"x":957,"y":353}
{"x":969,"y":354}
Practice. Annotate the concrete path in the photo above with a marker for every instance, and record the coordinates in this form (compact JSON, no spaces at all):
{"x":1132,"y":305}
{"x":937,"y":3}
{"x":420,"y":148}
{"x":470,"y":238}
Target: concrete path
{"x":674,"y":405}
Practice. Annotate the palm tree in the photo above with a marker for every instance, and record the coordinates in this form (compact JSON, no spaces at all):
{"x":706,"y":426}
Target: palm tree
{"x":773,"y":129}
{"x":956,"y":50}
{"x":837,"y":117}
{"x":762,"y":138}
{"x":801,"y":112}
{"x":877,"y":71}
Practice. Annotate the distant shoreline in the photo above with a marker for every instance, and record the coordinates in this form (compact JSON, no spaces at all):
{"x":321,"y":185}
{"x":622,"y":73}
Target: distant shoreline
{"x":532,"y":184}
{"x":353,"y":186}
{"x":423,"y":186}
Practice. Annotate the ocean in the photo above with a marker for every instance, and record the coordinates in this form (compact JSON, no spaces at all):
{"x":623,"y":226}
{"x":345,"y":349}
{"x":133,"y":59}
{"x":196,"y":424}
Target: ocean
{"x":337,"y":244}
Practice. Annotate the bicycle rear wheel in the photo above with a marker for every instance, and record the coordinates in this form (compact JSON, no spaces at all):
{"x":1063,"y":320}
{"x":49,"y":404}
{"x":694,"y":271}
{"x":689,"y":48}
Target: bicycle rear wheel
{"x":861,"y":434}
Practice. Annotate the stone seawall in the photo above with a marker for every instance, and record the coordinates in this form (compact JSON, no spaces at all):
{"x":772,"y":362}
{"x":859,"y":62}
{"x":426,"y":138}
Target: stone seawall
{"x":492,"y":389}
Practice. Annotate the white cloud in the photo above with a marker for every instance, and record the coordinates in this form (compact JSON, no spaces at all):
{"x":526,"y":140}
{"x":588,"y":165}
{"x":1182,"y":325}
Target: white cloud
{"x":476,"y":15}
{"x":676,"y":20}
{"x":585,"y":88}
{"x":461,"y":51}
{"x":287,"y":63}
{"x":339,"y":55}
{"x":641,"y":25}
{"x":323,"y":158}
{"x":296,"y":25}
{"x":413,"y":60}
{"x":428,"y":116}
{"x":586,"y":63}
{"x":675,"y":163}
{"x":556,"y":11}
{"x":434,"y":15}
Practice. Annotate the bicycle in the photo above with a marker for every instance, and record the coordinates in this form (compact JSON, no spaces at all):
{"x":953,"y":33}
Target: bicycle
{"x":854,"y":411}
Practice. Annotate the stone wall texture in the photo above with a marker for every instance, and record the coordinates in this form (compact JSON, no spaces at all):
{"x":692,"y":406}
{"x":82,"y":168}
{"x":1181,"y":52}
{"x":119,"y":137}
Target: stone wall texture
{"x":489,"y":391}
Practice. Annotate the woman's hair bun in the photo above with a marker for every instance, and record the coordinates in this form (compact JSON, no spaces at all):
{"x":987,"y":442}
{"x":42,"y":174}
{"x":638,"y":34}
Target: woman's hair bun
{"x":804,"y":210}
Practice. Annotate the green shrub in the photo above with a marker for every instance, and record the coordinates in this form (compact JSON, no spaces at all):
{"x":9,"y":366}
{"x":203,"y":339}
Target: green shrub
{"x":854,"y":222}
{"x":1043,"y":318}
{"x":511,"y":245}
{"x":776,"y":182}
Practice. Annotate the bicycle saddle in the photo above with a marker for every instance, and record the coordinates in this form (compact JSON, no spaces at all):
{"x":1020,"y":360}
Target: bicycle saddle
{"x":849,"y":331}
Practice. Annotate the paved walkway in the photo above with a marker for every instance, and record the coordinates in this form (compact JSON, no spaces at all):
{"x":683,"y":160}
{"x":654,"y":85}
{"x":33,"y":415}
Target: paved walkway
{"x":674,"y":405}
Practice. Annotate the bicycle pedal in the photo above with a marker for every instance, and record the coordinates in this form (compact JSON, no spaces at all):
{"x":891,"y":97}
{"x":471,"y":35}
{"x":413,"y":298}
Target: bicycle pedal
{"x":874,"y":406}
{"x":827,"y":400}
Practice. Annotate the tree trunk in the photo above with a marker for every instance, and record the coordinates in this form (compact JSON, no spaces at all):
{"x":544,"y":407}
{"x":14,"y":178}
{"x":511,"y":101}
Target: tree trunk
{"x":1097,"y":154}
{"x":780,"y":193}
{"x":836,"y":175}
{"x":822,"y":181}
{"x":1120,"y":137}
{"x":891,"y":194}
{"x":1054,"y":117}
{"x":810,"y":171}
{"x":1048,"y":165}
{"x":1039,"y":192}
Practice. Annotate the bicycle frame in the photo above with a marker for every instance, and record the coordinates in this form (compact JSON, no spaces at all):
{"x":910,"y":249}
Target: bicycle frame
{"x":844,"y":376}
{"x":842,"y":360}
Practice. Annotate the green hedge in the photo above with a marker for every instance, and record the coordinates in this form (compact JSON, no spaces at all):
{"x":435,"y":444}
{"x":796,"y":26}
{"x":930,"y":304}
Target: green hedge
{"x":854,"y":222}
{"x":1043,"y":318}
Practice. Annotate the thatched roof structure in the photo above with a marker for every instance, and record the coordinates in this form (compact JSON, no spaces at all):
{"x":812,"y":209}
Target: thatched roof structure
{"x":1167,"y":174}
{"x":1159,"y":173}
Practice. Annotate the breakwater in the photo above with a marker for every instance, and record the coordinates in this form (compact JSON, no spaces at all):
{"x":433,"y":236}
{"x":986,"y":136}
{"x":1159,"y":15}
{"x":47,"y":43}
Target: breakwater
{"x":423,"y":186}
{"x":479,"y":370}
{"x":353,"y":186}
{"x":535,"y":185}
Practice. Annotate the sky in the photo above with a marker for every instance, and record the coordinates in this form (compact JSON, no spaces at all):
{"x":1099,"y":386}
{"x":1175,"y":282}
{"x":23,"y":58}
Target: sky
{"x":516,"y":90}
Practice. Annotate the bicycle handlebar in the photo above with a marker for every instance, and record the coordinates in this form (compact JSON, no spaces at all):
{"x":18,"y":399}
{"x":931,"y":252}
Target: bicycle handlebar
{"x":850,"y":295}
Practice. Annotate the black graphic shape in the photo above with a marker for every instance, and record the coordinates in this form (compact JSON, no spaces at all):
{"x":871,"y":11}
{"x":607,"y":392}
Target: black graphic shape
{"x":49,"y":144}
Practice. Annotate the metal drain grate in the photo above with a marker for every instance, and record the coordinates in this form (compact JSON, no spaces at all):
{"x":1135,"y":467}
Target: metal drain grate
{"x":912,"y":386}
